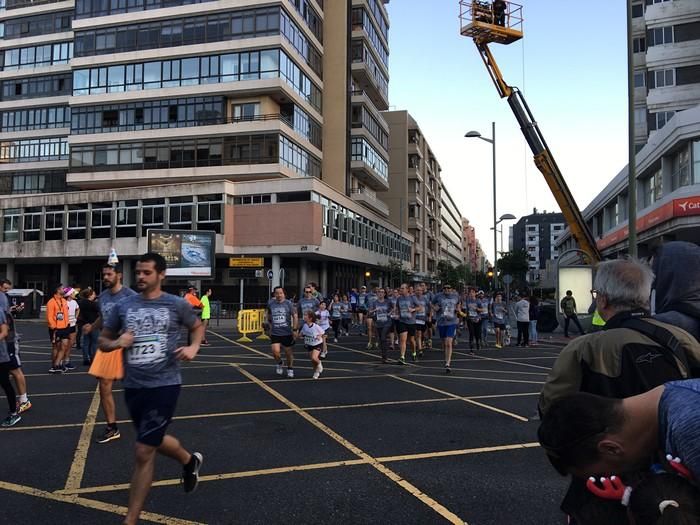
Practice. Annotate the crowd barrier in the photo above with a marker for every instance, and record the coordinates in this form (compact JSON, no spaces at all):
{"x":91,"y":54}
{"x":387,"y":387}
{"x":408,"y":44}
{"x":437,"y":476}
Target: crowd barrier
{"x":251,"y":322}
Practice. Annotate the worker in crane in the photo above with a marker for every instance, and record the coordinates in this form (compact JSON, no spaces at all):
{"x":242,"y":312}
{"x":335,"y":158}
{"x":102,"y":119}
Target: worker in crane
{"x":499,"y":8}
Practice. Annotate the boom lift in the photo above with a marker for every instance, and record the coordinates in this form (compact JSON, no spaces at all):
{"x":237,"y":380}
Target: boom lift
{"x":486,"y":24}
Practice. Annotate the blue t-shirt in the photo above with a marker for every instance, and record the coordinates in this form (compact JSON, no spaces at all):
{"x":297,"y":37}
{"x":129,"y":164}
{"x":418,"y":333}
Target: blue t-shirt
{"x":472,"y":307}
{"x":4,"y":356}
{"x":156,"y":324}
{"x":679,"y":422}
{"x":422,"y":316}
{"x":382,"y":313}
{"x":108,"y":300}
{"x":281,"y":315}
{"x":336,"y":310}
{"x":307,"y":305}
{"x":447,"y":304}
{"x":404,"y":303}
{"x":345,"y":308}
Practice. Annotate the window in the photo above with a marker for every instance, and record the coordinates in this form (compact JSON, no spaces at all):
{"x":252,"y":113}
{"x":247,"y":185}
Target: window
{"x":681,"y":169}
{"x":246,"y":111}
{"x":639,"y":79}
{"x":37,"y":56}
{"x":662,"y":78}
{"x":32,"y":224}
{"x":33,"y":150}
{"x":35,"y":118}
{"x":37,"y":25}
{"x":640,"y":116}
{"x":101,"y":220}
{"x":361,"y":150}
{"x":696,"y":162}
{"x":639,"y":45}
{"x":659,"y":120}
{"x":209,"y":212}
{"x":637,"y":10}
{"x":10,"y":224}
{"x":53,"y":223}
{"x":659,"y":36}
{"x":180,"y":212}
{"x":687,"y":75}
{"x":110,"y":118}
{"x":152,"y":214}
{"x":92,"y":8}
{"x":77,"y":221}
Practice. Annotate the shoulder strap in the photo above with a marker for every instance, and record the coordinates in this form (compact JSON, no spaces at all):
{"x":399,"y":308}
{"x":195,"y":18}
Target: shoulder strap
{"x":660,"y":335}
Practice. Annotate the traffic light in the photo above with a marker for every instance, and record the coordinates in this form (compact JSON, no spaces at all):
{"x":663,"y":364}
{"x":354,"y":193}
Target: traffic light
{"x":490,"y":272}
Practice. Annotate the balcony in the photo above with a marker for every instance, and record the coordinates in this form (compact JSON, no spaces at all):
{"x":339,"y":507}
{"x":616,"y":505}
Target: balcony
{"x":673,"y":98}
{"x":368,"y":76}
{"x":368,"y":198}
{"x":679,"y":54}
{"x":668,"y":13}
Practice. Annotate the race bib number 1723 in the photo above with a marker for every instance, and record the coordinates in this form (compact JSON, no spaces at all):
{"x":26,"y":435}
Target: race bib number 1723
{"x":147,"y":350}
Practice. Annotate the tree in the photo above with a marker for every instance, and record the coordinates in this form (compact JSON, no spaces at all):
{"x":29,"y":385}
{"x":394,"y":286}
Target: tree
{"x":513,"y":263}
{"x":395,"y":273}
{"x":447,"y":273}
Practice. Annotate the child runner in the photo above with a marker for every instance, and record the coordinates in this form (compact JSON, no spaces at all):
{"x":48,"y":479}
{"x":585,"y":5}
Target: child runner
{"x":336,"y":316}
{"x":323,"y":318}
{"x":346,"y":318}
{"x":314,"y":341}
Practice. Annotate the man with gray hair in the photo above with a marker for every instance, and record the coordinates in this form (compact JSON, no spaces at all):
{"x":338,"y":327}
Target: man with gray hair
{"x":632,"y":355}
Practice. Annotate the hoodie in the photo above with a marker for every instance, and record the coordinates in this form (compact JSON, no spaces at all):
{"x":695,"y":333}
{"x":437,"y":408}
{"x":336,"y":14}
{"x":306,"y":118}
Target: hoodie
{"x":677,"y":285}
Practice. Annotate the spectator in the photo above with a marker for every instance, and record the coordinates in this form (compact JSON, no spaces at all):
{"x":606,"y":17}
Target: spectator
{"x":568,"y":307}
{"x":534,"y":316}
{"x":585,"y":434}
{"x":677,"y":300}
{"x":88,"y":313}
{"x":206,"y":314}
{"x":499,"y":12}
{"x":522,"y":316}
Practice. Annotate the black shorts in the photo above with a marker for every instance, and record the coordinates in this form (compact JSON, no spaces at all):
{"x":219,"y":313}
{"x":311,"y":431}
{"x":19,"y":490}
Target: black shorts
{"x":421,"y":327}
{"x":353,"y":308}
{"x":58,"y":333}
{"x":362,"y":310}
{"x":15,"y":362}
{"x":318,"y":348}
{"x":429,"y":323}
{"x":405,"y":327}
{"x":151,"y":410}
{"x":285,"y":340}
{"x":71,"y":330}
{"x":500,"y":326}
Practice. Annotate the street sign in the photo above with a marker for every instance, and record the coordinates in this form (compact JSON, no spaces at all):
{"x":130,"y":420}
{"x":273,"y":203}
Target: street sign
{"x":507,"y":279}
{"x":270,"y":274}
{"x":242,"y":273}
{"x":246,"y":262}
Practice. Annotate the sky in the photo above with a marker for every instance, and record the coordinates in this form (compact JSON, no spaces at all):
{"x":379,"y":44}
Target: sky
{"x":571,"y":66}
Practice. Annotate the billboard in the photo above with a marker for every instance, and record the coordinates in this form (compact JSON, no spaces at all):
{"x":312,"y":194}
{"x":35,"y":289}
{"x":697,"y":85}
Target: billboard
{"x":187,"y":253}
{"x":578,"y":279}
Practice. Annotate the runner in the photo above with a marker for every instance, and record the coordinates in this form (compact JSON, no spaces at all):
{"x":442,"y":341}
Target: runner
{"x":371,"y":298}
{"x":353,"y":305}
{"x":381,"y":310}
{"x":109,"y":366}
{"x":394,"y":318}
{"x":472,"y":311}
{"x":428,"y":336}
{"x":362,"y":308}
{"x":314,"y":340}
{"x":346,"y":318}
{"x":323,"y":316}
{"x":421,"y":317}
{"x":12,"y":340}
{"x":308,"y":303}
{"x":283,"y":321}
{"x":447,"y":308}
{"x":484,"y":314}
{"x":73,"y":308}
{"x":406,"y":306}
{"x":336,"y":316}
{"x":13,"y":417}
{"x":150,"y":324}
{"x":57,"y":319}
{"x":206,"y":314}
{"x":498,"y":311}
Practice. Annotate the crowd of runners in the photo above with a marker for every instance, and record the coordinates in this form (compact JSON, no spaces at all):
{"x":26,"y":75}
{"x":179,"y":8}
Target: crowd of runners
{"x":403,"y":320}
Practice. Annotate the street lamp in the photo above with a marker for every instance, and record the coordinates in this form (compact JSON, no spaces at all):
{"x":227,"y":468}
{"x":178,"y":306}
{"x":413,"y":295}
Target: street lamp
{"x":492,"y":141}
{"x":504,"y":217}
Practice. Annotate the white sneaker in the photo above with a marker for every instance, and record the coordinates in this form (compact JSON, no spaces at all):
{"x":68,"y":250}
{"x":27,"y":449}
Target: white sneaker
{"x":318,"y":370}
{"x":290,"y":373}
{"x":279,"y":370}
{"x":335,"y":339}
{"x":324,"y":354}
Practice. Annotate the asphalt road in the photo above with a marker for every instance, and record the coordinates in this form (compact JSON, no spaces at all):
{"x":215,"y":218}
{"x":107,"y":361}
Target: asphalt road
{"x":366,"y":443}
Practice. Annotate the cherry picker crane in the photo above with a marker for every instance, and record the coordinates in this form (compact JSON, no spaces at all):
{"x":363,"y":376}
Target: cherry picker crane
{"x":501,"y":22}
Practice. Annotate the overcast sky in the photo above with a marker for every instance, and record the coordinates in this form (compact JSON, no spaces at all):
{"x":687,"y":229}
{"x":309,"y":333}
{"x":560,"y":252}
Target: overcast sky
{"x":571,"y":66}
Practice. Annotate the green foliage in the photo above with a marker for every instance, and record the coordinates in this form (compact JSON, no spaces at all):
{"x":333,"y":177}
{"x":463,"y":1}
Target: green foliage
{"x":455,"y":275}
{"x":513,"y":263}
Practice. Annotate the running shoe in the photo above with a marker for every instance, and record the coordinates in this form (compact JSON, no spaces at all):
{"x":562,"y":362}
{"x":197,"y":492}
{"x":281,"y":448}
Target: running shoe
{"x":190,"y":474}
{"x":204,"y":343}
{"x":414,"y":356}
{"x":10,"y":421}
{"x":55,"y":370}
{"x":69,"y":366}
{"x":448,"y":370}
{"x":279,"y":370}
{"x":369,"y":346}
{"x":324,"y":354}
{"x":23,"y":407}
{"x":318,"y":370}
{"x":401,"y":361}
{"x":499,"y":346}
{"x":290,"y":373}
{"x":420,"y":353}
{"x":471,"y":352}
{"x":110,"y":434}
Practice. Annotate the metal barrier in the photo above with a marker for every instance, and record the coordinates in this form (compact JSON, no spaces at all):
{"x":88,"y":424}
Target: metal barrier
{"x":251,"y":322}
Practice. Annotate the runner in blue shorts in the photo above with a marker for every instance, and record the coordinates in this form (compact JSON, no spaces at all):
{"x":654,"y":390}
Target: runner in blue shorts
{"x":447,"y":309}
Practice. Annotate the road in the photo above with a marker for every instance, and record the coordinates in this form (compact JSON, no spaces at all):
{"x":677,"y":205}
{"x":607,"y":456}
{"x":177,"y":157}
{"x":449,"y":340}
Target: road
{"x":366,"y":443}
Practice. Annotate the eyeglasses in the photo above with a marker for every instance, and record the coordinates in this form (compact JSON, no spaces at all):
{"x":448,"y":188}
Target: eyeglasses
{"x":307,"y":291}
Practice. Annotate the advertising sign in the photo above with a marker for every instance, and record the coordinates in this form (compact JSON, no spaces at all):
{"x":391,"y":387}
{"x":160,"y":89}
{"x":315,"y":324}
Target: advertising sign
{"x":578,"y":279}
{"x":187,"y":253}
{"x":246,"y":262}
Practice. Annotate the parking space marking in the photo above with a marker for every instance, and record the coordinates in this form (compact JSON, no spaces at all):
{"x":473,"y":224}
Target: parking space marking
{"x":404,"y":484}
{"x":461,"y":452}
{"x":91,"y":504}
{"x":493,"y":379}
{"x":77,"y":469}
{"x":484,"y":358}
{"x":465,"y":399}
{"x":268,"y":356}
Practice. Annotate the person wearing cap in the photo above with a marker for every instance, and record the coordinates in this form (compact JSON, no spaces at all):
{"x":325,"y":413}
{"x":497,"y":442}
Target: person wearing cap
{"x":57,"y":320}
{"x":73,"y":312}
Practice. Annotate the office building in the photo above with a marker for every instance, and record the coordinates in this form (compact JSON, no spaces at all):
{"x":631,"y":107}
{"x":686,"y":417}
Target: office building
{"x":538,"y":234}
{"x":666,"y":47}
{"x":450,"y":229}
{"x":196,"y":115}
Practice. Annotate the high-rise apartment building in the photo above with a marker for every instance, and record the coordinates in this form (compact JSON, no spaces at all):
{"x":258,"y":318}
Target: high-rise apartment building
{"x":450,"y":229}
{"x":666,"y":47}
{"x":538,"y":234}
{"x":258,"y":120}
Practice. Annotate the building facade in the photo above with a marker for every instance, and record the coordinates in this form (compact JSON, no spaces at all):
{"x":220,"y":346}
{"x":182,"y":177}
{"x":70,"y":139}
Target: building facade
{"x":538,"y":234}
{"x":666,"y":47}
{"x":668,"y":193}
{"x":450,"y":229}
{"x":118,"y":117}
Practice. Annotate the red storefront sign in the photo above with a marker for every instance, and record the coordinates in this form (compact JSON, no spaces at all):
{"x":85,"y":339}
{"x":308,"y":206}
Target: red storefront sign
{"x":677,"y":208}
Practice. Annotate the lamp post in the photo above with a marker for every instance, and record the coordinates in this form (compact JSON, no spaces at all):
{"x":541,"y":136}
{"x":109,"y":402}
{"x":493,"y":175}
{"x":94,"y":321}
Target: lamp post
{"x":504,"y":217}
{"x":492,"y":141}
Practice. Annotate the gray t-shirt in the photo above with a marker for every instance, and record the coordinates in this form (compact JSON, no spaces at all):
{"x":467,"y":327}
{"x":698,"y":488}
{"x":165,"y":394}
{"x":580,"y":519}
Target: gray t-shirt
{"x":422,"y":316}
{"x":499,"y":312}
{"x":447,"y":304}
{"x":404,"y":305}
{"x":281,"y":315}
{"x":156,"y":324}
{"x":4,"y":356}
{"x":108,"y":300}
{"x":307,"y":305}
{"x":4,"y":302}
{"x":679,"y":422}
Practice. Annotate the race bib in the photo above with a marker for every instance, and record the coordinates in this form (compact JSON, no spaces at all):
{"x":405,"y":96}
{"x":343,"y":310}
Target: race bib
{"x":279,"y":319}
{"x":310,"y":340}
{"x":147,"y":350}
{"x":59,"y":316}
{"x":382,"y":317}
